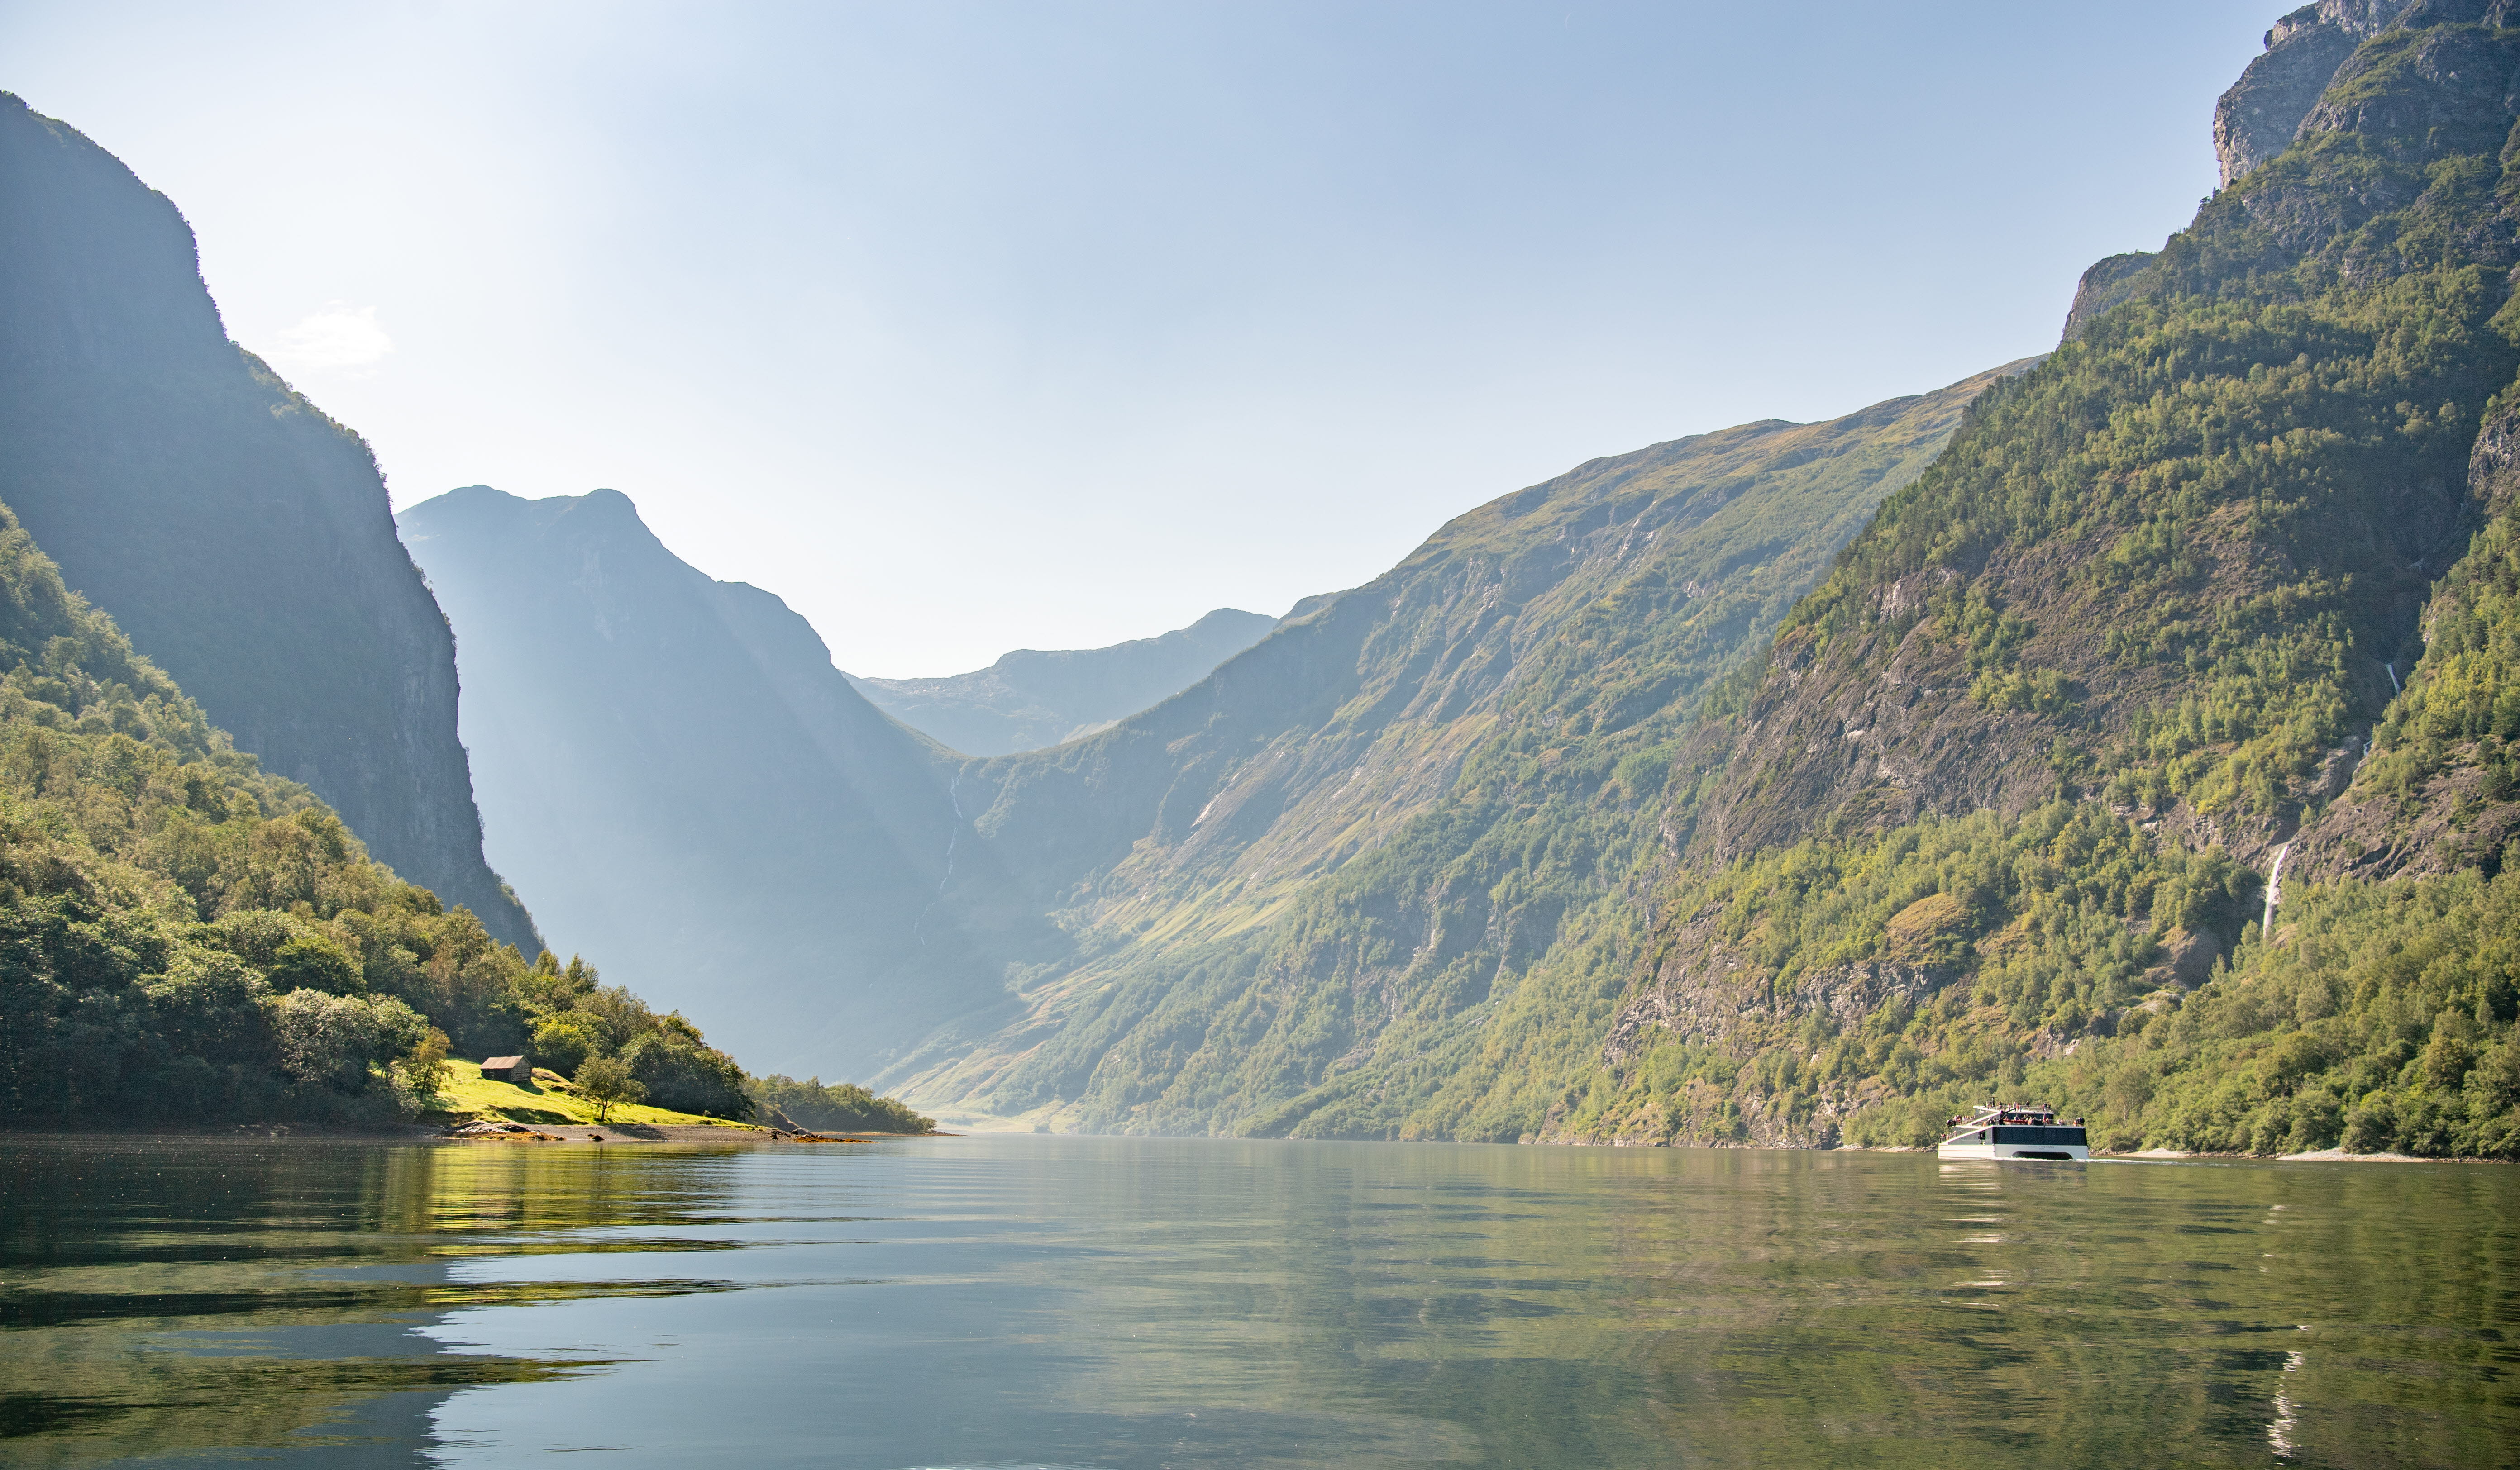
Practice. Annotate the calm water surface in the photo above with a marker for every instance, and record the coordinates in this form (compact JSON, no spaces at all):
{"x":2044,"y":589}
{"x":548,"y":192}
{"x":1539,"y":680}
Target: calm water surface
{"x":1073,"y":1301}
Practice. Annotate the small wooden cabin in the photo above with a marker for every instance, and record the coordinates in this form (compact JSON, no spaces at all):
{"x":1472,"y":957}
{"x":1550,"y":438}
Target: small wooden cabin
{"x":508,"y":1069}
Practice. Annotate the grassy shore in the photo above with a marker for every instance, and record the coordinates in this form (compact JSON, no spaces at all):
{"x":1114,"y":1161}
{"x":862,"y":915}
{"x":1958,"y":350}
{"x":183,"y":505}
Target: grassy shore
{"x":465,"y":1095}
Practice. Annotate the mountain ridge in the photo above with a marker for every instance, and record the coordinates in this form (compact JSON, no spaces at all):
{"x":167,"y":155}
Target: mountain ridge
{"x":1032,"y":698}
{"x":239,"y":537}
{"x":1274,"y":799}
{"x":676,"y":766}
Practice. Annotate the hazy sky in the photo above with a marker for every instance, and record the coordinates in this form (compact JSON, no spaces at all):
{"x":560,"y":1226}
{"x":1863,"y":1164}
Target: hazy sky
{"x":972,"y":327}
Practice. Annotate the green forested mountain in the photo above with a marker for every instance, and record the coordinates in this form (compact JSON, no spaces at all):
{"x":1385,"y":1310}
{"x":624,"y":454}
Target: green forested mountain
{"x":1999,"y":812}
{"x":239,"y":537}
{"x":1994,"y":810}
{"x":186,"y":938}
{"x":1306,"y":889}
{"x":1032,"y":698}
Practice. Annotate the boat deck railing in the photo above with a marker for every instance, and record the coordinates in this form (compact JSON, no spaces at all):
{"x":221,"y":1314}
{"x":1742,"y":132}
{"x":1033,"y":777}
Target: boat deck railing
{"x":2026,"y":1115}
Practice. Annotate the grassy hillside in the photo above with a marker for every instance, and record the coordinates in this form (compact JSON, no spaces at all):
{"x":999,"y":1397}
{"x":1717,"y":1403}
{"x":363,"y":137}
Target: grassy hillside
{"x":1306,"y":888}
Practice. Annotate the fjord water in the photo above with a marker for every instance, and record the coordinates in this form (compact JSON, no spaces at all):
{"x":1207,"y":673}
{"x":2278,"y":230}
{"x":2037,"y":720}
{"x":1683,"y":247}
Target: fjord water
{"x":1144,"y":1303}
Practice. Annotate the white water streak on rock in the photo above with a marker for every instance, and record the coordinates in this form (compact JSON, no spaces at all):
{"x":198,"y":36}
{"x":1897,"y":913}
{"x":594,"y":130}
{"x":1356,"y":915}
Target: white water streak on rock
{"x":953,"y":835}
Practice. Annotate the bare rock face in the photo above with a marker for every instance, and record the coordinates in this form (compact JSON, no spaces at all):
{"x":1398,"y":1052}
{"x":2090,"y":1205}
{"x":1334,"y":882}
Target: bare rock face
{"x":2273,"y":100}
{"x":2257,"y":119}
{"x":1694,"y":996}
{"x":2436,"y":93}
{"x":2110,"y":282}
{"x":2460,"y":815}
{"x":2494,"y":464}
{"x":1713,"y":995}
{"x":1710,"y":993}
{"x":2453,"y":823}
{"x":2190,"y":956}
{"x":2464,"y":105}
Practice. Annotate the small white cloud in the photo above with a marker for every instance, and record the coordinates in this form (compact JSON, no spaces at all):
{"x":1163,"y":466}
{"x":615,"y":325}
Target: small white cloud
{"x":338,"y":336}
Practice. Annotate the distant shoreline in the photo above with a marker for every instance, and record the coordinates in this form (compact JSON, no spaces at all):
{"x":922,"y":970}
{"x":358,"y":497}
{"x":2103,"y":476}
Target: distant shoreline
{"x":755,"y":1136}
{"x":2315,"y":1156}
{"x":747,"y":1135}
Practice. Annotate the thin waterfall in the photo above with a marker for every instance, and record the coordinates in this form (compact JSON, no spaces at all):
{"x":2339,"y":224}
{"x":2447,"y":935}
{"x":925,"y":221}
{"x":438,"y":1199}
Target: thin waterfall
{"x":2275,"y":893}
{"x":953,"y":835}
{"x":2394,"y":686}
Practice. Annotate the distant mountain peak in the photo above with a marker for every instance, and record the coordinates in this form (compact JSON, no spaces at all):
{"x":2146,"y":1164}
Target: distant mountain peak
{"x":676,"y":770}
{"x":1032,"y":698}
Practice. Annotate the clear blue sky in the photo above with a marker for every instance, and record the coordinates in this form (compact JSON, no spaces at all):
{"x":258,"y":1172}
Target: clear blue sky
{"x":967,"y":327}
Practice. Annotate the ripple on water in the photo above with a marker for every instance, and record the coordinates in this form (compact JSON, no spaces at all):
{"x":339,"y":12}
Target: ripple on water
{"x":1146,"y":1303}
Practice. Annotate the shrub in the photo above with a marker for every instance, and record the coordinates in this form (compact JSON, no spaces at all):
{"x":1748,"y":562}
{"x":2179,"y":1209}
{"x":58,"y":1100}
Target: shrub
{"x":608,"y":1083}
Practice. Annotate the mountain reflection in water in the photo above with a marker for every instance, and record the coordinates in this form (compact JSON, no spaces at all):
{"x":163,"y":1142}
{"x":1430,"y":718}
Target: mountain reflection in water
{"x":1146,"y":1303}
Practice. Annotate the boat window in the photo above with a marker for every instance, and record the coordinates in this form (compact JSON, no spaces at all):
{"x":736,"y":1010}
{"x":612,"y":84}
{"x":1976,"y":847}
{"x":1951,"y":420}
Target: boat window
{"x":2020,"y":1134}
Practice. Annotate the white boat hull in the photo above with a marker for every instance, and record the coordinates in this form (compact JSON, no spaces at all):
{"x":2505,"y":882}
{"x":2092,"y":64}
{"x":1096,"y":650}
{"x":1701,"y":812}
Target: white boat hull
{"x":2055,"y":1153}
{"x":2017,"y":1132}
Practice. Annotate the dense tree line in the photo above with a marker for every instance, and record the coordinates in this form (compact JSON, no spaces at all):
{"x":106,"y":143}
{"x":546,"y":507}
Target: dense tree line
{"x":2382,"y":1017}
{"x":580,"y":1019}
{"x":841,"y":1106}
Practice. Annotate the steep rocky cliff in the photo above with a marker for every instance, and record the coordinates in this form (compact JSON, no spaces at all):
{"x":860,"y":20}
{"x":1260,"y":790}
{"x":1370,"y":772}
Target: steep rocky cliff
{"x":1032,"y":698}
{"x":2255,"y":121}
{"x":674,"y":768}
{"x":2265,"y":110}
{"x":2107,"y":285}
{"x":239,"y":537}
{"x":2439,"y":793}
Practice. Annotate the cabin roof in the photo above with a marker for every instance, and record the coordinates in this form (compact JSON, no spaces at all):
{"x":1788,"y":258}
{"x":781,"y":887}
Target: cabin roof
{"x":503,"y":1064}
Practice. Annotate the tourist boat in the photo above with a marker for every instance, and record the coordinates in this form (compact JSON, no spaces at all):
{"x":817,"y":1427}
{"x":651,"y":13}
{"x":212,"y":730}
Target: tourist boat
{"x":2033,"y":1132}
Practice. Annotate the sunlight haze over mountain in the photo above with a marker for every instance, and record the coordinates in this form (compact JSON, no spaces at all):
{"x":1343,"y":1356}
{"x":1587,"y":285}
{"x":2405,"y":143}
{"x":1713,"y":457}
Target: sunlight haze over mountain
{"x":969,"y":328}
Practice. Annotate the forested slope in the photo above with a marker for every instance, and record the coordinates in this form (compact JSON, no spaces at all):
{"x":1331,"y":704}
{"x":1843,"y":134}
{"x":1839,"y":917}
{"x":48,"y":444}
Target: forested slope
{"x":239,"y":537}
{"x":184,"y":937}
{"x":1998,"y":814}
{"x":1302,"y":886}
{"x":1993,"y":813}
